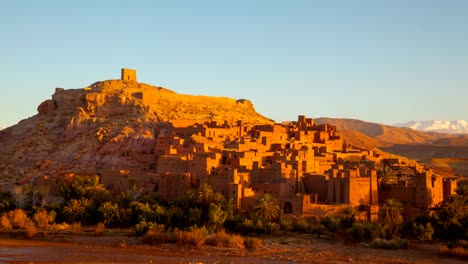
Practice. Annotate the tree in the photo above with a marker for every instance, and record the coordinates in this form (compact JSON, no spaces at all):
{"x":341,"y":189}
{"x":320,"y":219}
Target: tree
{"x":267,"y":207}
{"x":134,"y":192}
{"x":112,"y":214}
{"x":387,"y":175}
{"x":205,"y":195}
{"x":74,"y":210}
{"x":216,"y":217}
{"x":347,"y":216}
{"x":390,"y":215}
{"x":22,"y":196}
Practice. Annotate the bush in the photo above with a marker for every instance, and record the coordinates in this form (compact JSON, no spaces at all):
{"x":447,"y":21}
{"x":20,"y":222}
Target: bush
{"x":396,"y":243}
{"x":223,"y":239}
{"x":252,"y":243}
{"x":286,"y":223}
{"x":155,"y":235}
{"x":142,"y":227}
{"x":44,"y":218}
{"x":18,"y":219}
{"x":30,"y":231}
{"x":331,"y":223}
{"x":100,"y":228}
{"x":365,"y":231}
{"x":247,"y":227}
{"x":5,"y":223}
{"x":76,"y":228}
{"x":317,"y":230}
{"x":423,"y":232}
{"x":271,"y":227}
{"x":301,"y":225}
{"x":196,"y":236}
{"x":456,"y":252}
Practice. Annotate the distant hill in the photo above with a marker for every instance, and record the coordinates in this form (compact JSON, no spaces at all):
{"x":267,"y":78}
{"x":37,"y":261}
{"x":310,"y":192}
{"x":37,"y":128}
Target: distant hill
{"x":1,"y":127}
{"x":449,"y":127}
{"x":362,"y":133}
{"x":446,"y":153}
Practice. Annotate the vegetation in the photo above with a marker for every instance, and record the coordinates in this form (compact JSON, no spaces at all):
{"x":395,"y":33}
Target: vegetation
{"x":205,"y":217}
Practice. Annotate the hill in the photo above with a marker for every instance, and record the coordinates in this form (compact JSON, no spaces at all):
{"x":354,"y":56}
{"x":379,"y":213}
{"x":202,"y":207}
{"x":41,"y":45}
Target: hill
{"x":446,"y":153}
{"x":362,"y":133}
{"x":79,"y":129}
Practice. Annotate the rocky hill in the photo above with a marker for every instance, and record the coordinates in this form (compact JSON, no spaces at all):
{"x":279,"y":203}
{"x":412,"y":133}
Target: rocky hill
{"x":79,"y":129}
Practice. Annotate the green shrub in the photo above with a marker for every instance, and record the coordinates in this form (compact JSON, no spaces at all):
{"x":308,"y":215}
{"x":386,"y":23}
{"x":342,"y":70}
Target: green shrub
{"x":271,"y":227}
{"x":423,"y":231}
{"x":331,"y":223}
{"x":301,"y":225}
{"x":286,"y":223}
{"x":155,"y":235}
{"x":247,"y":227}
{"x":396,"y":243}
{"x":365,"y":231}
{"x":317,"y":230}
{"x":142,"y":227}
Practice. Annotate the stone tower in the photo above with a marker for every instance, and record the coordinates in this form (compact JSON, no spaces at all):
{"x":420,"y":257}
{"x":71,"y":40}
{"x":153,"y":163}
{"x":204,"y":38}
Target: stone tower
{"x":128,"y":75}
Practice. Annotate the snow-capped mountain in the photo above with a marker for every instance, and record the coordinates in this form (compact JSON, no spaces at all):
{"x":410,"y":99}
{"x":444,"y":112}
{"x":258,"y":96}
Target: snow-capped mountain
{"x":450,"y":127}
{"x":1,"y":127}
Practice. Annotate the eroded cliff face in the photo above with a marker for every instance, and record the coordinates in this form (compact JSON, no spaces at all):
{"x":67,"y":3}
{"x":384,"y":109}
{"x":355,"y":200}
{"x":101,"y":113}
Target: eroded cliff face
{"x":79,"y":130}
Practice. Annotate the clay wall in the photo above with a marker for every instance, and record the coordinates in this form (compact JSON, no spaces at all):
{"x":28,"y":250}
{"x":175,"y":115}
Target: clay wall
{"x":172,"y":186}
{"x":436,"y":191}
{"x":360,"y":191}
{"x":449,"y":188}
{"x":403,"y":194}
{"x":173,"y":164}
{"x":316,"y":184}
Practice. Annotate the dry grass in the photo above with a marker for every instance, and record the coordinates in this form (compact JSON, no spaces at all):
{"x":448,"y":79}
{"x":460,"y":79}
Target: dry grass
{"x":252,"y":243}
{"x":100,"y":228}
{"x":30,"y":231}
{"x":195,"y":237}
{"x":76,"y":228}
{"x":456,"y":252}
{"x":223,"y":239}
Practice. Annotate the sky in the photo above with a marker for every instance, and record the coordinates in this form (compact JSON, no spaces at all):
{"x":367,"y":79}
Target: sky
{"x":378,"y":61}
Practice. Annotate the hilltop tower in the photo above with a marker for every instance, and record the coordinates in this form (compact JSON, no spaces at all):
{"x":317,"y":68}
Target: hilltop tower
{"x":128,"y":75}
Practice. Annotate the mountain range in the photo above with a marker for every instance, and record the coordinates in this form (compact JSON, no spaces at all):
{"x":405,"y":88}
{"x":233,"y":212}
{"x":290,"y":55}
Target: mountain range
{"x":439,"y":126}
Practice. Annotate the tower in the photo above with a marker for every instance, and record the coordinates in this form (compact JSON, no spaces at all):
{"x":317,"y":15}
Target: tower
{"x":128,"y":75}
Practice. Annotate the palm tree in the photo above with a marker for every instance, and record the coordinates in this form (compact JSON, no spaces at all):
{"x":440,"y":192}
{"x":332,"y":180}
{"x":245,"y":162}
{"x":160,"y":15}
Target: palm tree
{"x":267,"y":207}
{"x":94,"y":186}
{"x":205,"y":195}
{"x":390,"y":214}
{"x":216,"y":216}
{"x":74,"y":210}
{"x":387,"y":175}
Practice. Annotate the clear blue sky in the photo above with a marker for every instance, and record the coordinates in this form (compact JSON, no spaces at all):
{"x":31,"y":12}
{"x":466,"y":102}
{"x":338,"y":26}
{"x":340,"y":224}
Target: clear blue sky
{"x":379,"y":61}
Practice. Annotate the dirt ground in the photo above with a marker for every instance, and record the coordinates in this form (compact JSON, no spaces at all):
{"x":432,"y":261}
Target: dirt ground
{"x":110,"y":248}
